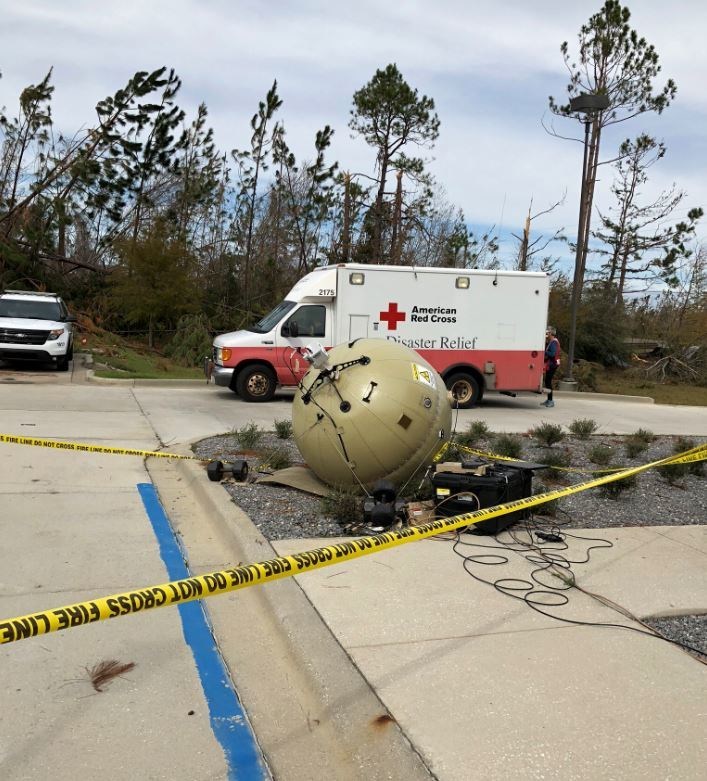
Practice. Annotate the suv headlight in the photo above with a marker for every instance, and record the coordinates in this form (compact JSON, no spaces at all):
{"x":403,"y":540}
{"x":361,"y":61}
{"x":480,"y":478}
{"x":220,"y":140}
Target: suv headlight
{"x":54,"y":334}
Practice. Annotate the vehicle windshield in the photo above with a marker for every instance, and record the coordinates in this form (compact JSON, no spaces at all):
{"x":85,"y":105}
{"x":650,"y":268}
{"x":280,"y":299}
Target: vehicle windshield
{"x":30,"y":310}
{"x":272,"y":318}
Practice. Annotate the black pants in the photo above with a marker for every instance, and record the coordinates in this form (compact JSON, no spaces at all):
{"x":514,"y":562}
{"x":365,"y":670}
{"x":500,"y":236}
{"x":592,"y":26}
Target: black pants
{"x":549,"y":374}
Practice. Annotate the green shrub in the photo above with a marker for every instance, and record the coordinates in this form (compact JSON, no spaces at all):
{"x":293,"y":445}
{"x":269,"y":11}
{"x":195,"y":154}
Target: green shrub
{"x":587,"y":375}
{"x":558,"y":461}
{"x":191,"y":342}
{"x":277,"y":459}
{"x":249,"y":435}
{"x":673,"y":472}
{"x":682,"y":444}
{"x":634,"y":446}
{"x":644,"y":435}
{"x":614,"y":489}
{"x":600,"y":454}
{"x":509,"y":445}
{"x":548,"y":433}
{"x":557,"y":458}
{"x":343,"y":505}
{"x":475,"y":432}
{"x":283,"y":429}
{"x":583,"y":428}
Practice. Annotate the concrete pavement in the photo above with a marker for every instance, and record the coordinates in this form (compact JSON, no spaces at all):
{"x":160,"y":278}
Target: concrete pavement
{"x":483,"y":686}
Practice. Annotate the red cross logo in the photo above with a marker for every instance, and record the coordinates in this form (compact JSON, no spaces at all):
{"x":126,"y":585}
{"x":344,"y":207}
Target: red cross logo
{"x":393,"y":317}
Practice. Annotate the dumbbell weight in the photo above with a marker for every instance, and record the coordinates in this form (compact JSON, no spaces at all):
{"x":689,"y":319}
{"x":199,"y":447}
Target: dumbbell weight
{"x":217,"y":469}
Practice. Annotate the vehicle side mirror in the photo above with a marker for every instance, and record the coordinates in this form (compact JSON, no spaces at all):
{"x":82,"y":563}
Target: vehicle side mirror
{"x":70,"y":319}
{"x":293,"y":329}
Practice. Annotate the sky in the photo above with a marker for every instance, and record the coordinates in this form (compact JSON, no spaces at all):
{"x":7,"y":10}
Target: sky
{"x":489,"y":67}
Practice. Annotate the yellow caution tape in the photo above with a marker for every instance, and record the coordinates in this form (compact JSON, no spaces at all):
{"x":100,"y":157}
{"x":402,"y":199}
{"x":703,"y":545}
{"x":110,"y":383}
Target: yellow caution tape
{"x":83,"y":448}
{"x":223,"y":581}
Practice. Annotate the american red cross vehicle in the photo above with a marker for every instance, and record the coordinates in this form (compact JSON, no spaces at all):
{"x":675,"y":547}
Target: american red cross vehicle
{"x":35,"y":327}
{"x":482,"y":330}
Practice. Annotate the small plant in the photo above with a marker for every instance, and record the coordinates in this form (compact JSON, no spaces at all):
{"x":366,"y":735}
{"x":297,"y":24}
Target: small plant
{"x":548,"y":433}
{"x":673,"y":472}
{"x":682,"y":444}
{"x":634,"y":446}
{"x":509,"y":445}
{"x":559,"y":458}
{"x":476,"y":431}
{"x":643,"y":435}
{"x":615,"y":488}
{"x":249,"y":435}
{"x":283,"y":429}
{"x":557,"y":461}
{"x":277,"y":459}
{"x":600,"y":454}
{"x":583,"y":428}
{"x":343,"y":505}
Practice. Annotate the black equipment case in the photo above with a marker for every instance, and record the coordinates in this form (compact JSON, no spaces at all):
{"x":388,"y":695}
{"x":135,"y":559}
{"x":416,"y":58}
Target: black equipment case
{"x":463,"y":491}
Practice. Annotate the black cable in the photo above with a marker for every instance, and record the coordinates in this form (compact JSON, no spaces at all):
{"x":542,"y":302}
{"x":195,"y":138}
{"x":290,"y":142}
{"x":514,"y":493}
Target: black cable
{"x":546,"y":558}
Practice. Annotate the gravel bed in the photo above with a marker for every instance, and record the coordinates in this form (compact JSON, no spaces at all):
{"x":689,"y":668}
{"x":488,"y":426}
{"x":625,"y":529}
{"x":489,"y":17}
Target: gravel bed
{"x":284,"y":513}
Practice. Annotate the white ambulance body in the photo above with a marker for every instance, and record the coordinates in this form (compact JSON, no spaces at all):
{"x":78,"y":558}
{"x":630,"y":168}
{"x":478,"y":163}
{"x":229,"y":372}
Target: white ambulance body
{"x":481,"y":330}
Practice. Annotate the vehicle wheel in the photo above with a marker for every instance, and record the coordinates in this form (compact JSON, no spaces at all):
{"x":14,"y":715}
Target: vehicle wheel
{"x":465,"y":390}
{"x":256,"y":383}
{"x":62,"y":364}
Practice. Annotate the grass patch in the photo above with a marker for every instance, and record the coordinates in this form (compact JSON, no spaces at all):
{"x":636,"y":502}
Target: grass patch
{"x":625,"y":383}
{"x":114,"y":358}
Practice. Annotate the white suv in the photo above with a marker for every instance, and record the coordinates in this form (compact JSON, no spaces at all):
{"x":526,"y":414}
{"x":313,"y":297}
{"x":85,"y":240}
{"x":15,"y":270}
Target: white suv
{"x":36,"y":327}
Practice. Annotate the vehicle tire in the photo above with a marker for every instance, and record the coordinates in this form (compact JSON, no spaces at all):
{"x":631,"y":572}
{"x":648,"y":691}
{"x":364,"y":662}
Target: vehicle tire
{"x":465,"y":390}
{"x":256,"y":383}
{"x":62,"y":364}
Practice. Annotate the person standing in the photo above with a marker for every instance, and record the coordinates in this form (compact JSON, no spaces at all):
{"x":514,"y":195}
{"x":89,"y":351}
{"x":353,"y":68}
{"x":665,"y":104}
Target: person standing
{"x":552,"y":362}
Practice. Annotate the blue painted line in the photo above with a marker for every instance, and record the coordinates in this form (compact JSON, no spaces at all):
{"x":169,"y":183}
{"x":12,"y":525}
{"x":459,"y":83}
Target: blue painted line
{"x":228,"y":720}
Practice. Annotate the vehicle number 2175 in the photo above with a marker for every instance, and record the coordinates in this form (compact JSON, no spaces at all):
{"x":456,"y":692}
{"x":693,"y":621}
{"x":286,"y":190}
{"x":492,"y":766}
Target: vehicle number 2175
{"x":325,"y":291}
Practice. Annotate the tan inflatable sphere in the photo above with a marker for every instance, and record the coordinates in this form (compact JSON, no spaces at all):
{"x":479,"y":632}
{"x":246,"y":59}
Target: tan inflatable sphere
{"x":376,"y":410}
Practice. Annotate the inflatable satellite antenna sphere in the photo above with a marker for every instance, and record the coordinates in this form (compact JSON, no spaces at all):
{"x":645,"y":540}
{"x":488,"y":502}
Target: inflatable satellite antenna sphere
{"x":369,"y":410}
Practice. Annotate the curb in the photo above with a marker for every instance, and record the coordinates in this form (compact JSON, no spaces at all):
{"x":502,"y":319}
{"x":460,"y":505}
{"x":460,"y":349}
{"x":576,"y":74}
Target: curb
{"x":313,"y":712}
{"x":134,"y":382}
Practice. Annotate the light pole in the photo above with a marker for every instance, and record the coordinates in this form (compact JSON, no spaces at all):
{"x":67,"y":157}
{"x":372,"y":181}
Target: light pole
{"x":589,"y":105}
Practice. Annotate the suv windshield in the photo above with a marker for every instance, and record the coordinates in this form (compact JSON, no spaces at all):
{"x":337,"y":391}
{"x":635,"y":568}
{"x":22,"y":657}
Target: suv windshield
{"x":272,"y":319}
{"x":30,"y":310}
